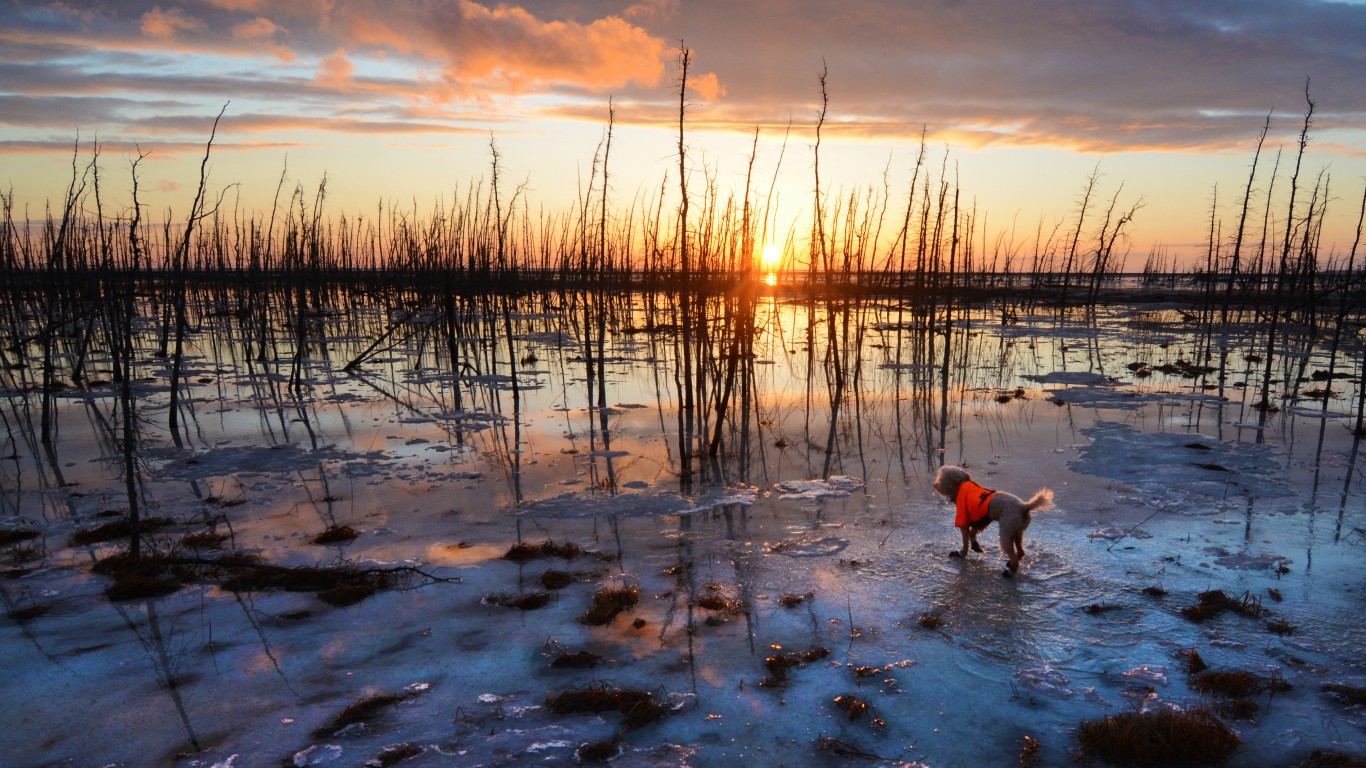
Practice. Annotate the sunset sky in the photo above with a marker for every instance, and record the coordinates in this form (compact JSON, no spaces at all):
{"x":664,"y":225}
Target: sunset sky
{"x":398,"y":101}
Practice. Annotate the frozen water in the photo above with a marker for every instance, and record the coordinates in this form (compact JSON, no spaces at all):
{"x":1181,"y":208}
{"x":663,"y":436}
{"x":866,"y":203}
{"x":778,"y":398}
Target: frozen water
{"x":1164,"y":491}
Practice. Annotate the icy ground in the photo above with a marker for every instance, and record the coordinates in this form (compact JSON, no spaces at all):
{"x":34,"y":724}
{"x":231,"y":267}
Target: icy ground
{"x":1162,"y":494}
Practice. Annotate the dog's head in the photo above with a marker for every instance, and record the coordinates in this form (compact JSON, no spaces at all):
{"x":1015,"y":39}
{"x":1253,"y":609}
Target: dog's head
{"x":949,"y":478}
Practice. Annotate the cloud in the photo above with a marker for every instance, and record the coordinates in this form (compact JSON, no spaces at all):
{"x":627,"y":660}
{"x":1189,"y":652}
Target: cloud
{"x":165,"y":25}
{"x":254,"y":122}
{"x":161,"y":150}
{"x":240,"y":5}
{"x":651,"y":11}
{"x":256,"y":29}
{"x":505,"y":46}
{"x":708,"y":86}
{"x":335,"y":71}
{"x":1093,"y":75}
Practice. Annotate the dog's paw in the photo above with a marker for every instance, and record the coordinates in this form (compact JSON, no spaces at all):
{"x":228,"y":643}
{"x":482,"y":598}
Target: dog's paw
{"x":976,"y":547}
{"x":1007,"y":573}
{"x":955,"y":553}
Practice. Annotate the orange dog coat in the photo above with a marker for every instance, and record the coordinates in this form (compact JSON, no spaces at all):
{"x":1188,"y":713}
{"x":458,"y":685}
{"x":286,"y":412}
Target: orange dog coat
{"x":971,"y":504}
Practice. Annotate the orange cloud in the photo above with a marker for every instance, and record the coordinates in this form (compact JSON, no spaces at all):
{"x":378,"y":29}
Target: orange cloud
{"x":165,"y":24}
{"x":509,"y":47}
{"x":651,"y":10}
{"x":256,"y":29}
{"x":708,"y":86}
{"x":606,"y":53}
{"x":239,"y":5}
{"x":335,"y":71}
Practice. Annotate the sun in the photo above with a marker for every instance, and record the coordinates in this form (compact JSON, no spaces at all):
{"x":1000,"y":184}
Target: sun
{"x":771,"y":257}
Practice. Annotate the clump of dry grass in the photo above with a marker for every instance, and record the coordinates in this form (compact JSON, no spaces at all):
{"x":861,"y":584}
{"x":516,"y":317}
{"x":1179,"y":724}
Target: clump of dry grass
{"x":525,"y":550}
{"x":334,"y":585}
{"x":860,"y":672}
{"x":718,"y":602}
{"x":1006,"y":396}
{"x":1195,"y":663}
{"x":779,"y":664}
{"x":852,"y":706}
{"x":841,"y":748}
{"x":16,"y":535}
{"x":361,"y":711}
{"x":203,"y":540}
{"x":575,"y":660}
{"x":791,"y":600}
{"x":136,"y":586}
{"x":1216,"y":601}
{"x":1029,"y":752}
{"x":1347,"y":694}
{"x":599,"y":751}
{"x":553,"y":579}
{"x":526,"y":601}
{"x":1162,"y":739}
{"x":1232,"y":685}
{"x":1240,"y":709}
{"x":117,"y":529}
{"x":336,"y":534}
{"x":1281,"y":627}
{"x":1320,"y":758}
{"x":28,"y":613}
{"x":607,"y":603}
{"x":1239,"y":684}
{"x":639,"y":708}
{"x":395,"y":754}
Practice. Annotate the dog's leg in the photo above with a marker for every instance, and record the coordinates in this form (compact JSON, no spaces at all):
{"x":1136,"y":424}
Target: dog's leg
{"x":1012,"y":562}
{"x":967,"y":539}
{"x":972,"y":542}
{"x":1019,"y":546}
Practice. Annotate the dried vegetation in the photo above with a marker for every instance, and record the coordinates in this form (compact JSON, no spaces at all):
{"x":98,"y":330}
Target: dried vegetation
{"x":1161,"y":739}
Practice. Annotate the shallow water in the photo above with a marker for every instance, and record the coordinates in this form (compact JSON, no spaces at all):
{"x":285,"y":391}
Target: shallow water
{"x":822,"y":490}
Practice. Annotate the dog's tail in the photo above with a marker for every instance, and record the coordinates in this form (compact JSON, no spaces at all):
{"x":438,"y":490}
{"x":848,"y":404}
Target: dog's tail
{"x":1042,"y":500}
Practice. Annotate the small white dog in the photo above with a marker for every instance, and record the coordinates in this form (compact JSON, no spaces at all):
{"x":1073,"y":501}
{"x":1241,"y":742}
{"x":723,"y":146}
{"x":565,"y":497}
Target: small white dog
{"x":978,"y":507}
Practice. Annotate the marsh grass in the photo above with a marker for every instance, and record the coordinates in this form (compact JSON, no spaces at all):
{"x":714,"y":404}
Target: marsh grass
{"x":336,"y":534}
{"x":607,"y":603}
{"x":779,"y":665}
{"x":598,"y":751}
{"x":393,"y":755}
{"x":113,"y":531}
{"x":525,"y":601}
{"x":553,"y":579}
{"x":637,"y":707}
{"x":359,"y":712}
{"x":28,"y":613}
{"x":17,"y":535}
{"x":575,"y":660}
{"x":1215,"y":602}
{"x":1322,"y":758}
{"x":1164,"y":738}
{"x":523,"y":551}
{"x":154,"y":573}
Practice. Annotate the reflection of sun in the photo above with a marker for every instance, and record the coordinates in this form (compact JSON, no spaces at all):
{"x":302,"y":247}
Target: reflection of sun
{"x":771,"y":257}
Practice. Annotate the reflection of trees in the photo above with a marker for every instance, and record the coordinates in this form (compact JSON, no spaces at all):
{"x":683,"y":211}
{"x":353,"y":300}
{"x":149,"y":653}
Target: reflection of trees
{"x":165,"y":659}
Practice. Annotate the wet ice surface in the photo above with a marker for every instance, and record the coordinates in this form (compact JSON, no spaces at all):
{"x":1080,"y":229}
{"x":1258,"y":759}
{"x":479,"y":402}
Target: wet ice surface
{"x":1157,"y":487}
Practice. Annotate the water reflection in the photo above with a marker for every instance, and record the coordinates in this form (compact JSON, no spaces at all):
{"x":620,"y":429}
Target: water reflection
{"x":664,"y":428}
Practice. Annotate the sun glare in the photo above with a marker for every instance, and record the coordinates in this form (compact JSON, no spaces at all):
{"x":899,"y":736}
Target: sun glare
{"x":771,"y":257}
